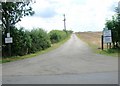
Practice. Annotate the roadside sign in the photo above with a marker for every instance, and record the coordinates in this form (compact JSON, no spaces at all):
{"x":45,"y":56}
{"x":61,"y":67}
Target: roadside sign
{"x":8,"y":34}
{"x":107,"y":36}
{"x":9,"y":40}
{"x":107,"y":33}
{"x":0,"y":22}
{"x":107,"y":39}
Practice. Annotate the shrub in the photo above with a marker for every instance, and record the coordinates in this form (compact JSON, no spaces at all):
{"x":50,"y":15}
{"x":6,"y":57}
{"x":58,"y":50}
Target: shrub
{"x":57,"y":35}
{"x":25,"y":42}
{"x":21,"y":42}
{"x":40,"y":40}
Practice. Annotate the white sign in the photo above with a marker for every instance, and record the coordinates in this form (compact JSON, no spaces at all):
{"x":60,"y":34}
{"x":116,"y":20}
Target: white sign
{"x":107,"y":33}
{"x":107,"y":39}
{"x":9,"y":40}
{"x":8,"y":34}
{"x":0,"y":22}
{"x":107,"y":36}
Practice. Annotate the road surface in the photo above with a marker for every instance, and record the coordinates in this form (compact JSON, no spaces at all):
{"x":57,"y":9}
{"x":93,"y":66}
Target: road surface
{"x":0,"y":74}
{"x":72,"y":63}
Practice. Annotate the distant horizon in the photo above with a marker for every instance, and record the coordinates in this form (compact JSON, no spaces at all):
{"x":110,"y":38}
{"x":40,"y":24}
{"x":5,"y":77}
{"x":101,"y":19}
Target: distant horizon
{"x":57,"y":29}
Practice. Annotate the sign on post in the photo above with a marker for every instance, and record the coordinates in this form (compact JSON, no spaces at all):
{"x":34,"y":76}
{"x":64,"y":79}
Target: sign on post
{"x":8,"y":34}
{"x":107,"y":39}
{"x":107,"y":33}
{"x":107,"y":36}
{"x":9,"y":40}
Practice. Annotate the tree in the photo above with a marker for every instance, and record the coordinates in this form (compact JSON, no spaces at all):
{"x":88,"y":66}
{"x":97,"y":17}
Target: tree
{"x":114,"y":26}
{"x":118,"y":24}
{"x":12,"y":12}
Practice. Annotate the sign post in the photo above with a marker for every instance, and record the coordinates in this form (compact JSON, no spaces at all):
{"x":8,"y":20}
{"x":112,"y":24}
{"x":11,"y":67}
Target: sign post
{"x":102,"y":42}
{"x":9,"y":40}
{"x":106,"y":37}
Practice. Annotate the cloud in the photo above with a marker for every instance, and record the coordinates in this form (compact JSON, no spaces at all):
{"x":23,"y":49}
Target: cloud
{"x":43,"y":9}
{"x":46,"y":13}
{"x":81,"y":15}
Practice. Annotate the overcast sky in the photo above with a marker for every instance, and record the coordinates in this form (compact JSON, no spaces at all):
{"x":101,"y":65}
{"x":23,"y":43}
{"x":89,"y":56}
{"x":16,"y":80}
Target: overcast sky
{"x":81,"y":15}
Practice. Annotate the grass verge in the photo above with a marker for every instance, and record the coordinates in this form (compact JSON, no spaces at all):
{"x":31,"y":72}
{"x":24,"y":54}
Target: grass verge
{"x":15,"y":58}
{"x":0,"y":60}
{"x":107,"y":52}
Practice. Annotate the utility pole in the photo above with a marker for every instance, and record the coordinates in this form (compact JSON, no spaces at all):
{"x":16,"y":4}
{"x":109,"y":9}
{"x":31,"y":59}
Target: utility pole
{"x":64,"y":22}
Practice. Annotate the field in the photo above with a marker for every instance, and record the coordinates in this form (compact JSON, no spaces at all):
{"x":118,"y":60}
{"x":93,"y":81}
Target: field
{"x":93,"y":39}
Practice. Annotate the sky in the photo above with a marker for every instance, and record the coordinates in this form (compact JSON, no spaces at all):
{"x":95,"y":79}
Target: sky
{"x":81,"y":15}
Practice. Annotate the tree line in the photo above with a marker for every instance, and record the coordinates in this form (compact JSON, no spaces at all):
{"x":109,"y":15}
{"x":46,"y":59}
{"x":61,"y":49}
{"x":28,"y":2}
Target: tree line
{"x":27,"y":42}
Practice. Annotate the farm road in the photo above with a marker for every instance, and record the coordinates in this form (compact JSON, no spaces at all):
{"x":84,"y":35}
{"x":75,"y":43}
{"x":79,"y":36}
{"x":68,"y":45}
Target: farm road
{"x":73,"y":62}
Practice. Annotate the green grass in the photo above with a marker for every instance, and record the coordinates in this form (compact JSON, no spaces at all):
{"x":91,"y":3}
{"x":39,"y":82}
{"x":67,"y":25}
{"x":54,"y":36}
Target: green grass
{"x":107,"y":52}
{"x":15,"y":58}
{"x":0,"y":60}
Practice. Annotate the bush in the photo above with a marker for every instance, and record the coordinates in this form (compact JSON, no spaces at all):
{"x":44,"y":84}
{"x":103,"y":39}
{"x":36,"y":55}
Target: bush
{"x":40,"y":40}
{"x":21,"y":42}
{"x":57,"y":35}
{"x":25,"y":42}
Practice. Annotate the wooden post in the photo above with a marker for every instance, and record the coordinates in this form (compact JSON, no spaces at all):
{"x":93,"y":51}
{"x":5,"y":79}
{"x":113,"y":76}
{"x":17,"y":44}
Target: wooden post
{"x":102,"y":42}
{"x":107,"y":45}
{"x":9,"y":45}
{"x":110,"y":45}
